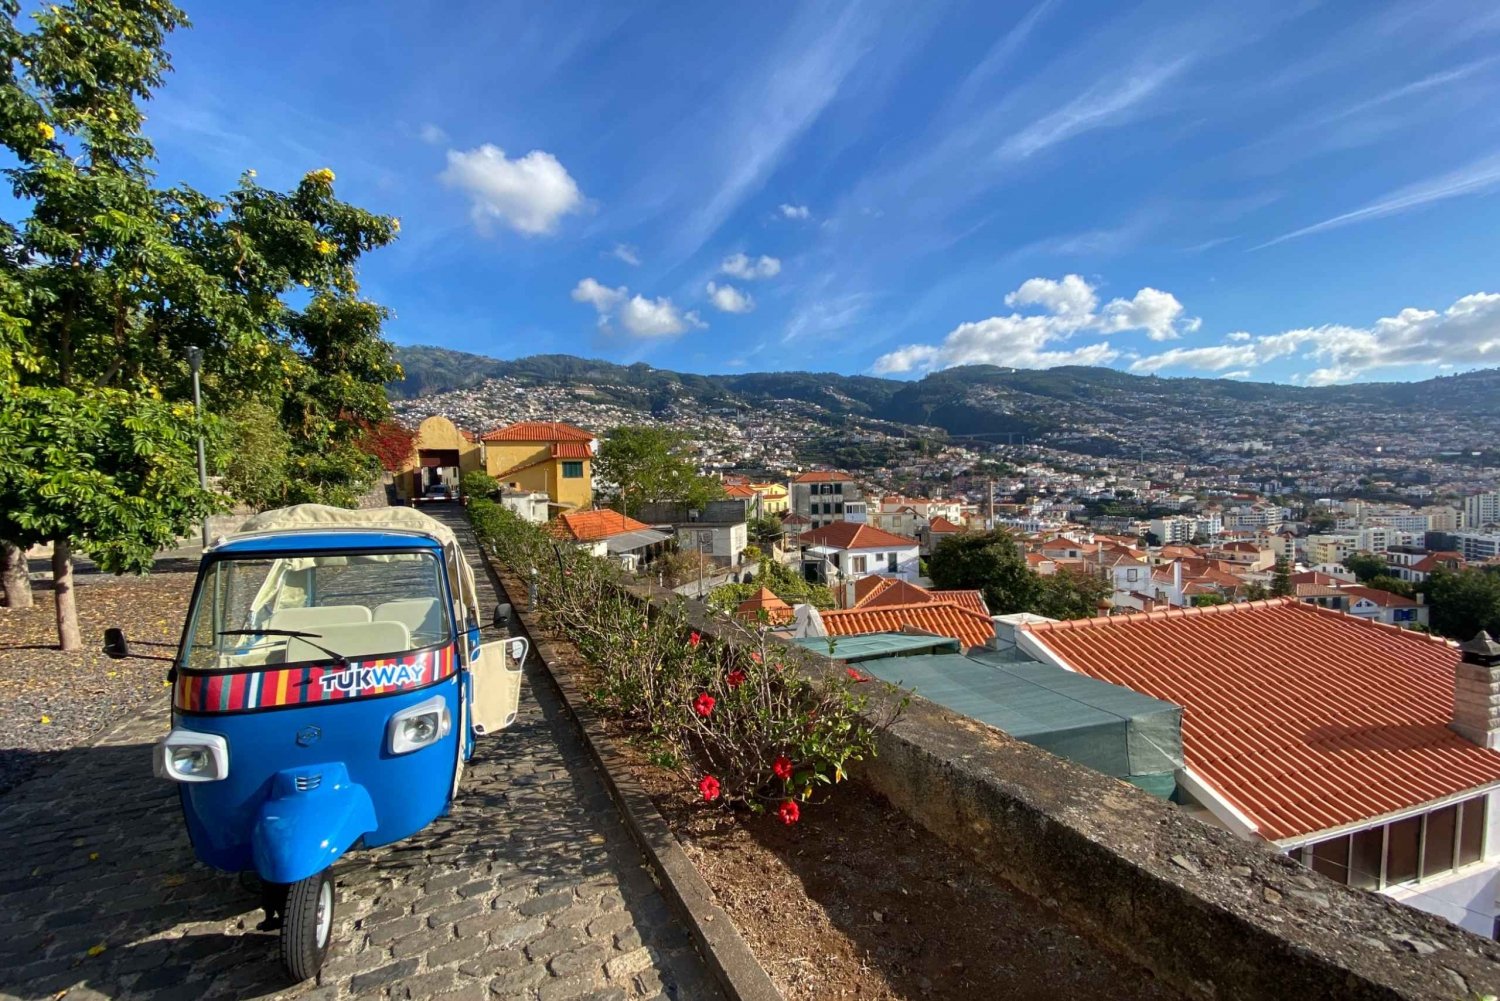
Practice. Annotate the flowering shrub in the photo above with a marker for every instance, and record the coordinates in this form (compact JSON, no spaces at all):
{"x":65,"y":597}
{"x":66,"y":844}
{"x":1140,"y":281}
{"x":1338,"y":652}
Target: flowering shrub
{"x":737,"y":718}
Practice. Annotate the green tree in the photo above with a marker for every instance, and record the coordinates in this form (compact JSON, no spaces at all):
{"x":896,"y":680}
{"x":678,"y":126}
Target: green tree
{"x":989,"y":562}
{"x":106,"y":280}
{"x":1395,"y":585}
{"x":1069,"y":594}
{"x":1464,"y":602}
{"x":1365,"y":566}
{"x":764,"y":530}
{"x":781,"y":580}
{"x":647,"y":464}
{"x":478,"y":483}
{"x":1208,"y":600}
{"x":1281,"y":579}
{"x":255,"y":471}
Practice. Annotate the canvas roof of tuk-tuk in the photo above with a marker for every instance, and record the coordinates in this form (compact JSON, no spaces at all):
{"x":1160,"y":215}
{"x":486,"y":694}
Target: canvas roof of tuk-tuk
{"x":319,"y":525}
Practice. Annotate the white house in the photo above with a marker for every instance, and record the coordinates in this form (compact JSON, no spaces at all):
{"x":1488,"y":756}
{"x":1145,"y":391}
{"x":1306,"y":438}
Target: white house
{"x":846,"y":550}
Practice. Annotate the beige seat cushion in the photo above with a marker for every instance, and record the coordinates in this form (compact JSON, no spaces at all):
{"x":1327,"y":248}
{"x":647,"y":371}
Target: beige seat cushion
{"x":422,"y":616}
{"x":365,"y":639}
{"x":313,"y":618}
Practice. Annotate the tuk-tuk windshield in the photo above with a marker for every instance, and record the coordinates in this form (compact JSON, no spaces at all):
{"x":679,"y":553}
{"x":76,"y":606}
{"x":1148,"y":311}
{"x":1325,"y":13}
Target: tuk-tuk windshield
{"x":353,"y":605}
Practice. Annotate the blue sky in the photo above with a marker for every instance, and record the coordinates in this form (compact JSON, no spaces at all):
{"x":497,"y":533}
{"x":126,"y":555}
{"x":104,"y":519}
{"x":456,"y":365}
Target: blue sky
{"x":1299,"y":192}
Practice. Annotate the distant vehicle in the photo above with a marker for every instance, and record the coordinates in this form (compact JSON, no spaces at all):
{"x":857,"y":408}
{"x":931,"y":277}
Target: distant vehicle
{"x":331,"y":682}
{"x":436,"y":492}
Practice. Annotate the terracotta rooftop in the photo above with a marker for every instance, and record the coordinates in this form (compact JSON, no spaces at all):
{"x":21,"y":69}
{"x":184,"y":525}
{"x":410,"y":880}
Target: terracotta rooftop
{"x":824,"y":476}
{"x":590,"y":526}
{"x":1385,"y":599}
{"x":855,"y":535}
{"x":738,"y":490}
{"x":876,"y":591}
{"x":537,"y":431}
{"x":777,"y":611}
{"x":941,"y":618}
{"x":1302,"y":718}
{"x":941,"y":524}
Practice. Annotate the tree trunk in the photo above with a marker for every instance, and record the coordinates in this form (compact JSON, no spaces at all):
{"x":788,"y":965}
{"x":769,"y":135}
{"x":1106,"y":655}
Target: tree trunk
{"x":68,"y":637}
{"x":14,"y":574}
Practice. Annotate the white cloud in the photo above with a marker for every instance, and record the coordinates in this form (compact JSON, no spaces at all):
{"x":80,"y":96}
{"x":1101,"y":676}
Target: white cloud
{"x":1071,"y":297}
{"x":601,"y":297}
{"x":1103,"y":104}
{"x":728,"y":299}
{"x":794,"y":211}
{"x":1243,"y":373}
{"x":1466,"y":333}
{"x":529,"y":194}
{"x":432,"y":134}
{"x":656,"y":317}
{"x":1471,"y":179}
{"x":750,"y":268}
{"x":1151,"y":310}
{"x":627,"y":253}
{"x":640,"y":316}
{"x":1214,"y":358}
{"x":1070,"y":307}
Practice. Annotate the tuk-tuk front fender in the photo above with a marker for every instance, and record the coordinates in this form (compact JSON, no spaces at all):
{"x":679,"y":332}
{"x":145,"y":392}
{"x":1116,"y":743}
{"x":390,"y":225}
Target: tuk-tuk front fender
{"x":314,"y":814}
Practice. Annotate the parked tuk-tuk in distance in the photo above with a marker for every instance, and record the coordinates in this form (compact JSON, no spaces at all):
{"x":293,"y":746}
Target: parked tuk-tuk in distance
{"x":327,"y":690}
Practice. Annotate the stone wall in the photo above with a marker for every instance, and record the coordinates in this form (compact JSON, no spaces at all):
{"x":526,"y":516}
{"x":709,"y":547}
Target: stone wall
{"x":1216,"y":916}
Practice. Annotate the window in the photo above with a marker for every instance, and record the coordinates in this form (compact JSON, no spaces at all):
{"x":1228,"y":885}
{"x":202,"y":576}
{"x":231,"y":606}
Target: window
{"x":572,"y":470}
{"x":890,"y":562}
{"x":838,"y":488}
{"x":393,"y":601}
{"x":1409,"y":850}
{"x":838,"y":507}
{"x":857,"y":564}
{"x":1132,"y":575}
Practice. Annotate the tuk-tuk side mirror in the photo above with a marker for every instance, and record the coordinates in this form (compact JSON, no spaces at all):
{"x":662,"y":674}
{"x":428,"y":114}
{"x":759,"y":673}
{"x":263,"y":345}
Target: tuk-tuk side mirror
{"x":503,"y":613}
{"x":115,"y":645}
{"x":518,"y":649}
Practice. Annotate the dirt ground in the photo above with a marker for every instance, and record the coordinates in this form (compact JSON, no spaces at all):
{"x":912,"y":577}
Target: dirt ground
{"x":855,"y":901}
{"x":51,"y":701}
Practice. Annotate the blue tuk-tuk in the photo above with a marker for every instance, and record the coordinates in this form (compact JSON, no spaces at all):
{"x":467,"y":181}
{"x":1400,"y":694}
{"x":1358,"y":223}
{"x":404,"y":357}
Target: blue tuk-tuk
{"x":327,"y":691}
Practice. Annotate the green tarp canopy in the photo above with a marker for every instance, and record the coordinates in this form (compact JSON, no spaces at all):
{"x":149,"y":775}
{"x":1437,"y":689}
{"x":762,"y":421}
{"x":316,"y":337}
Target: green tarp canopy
{"x":856,"y":649}
{"x":1106,"y":727}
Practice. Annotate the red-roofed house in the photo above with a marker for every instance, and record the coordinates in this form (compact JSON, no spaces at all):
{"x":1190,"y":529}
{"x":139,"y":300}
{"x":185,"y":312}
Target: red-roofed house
{"x":608,"y":533}
{"x":935,"y":618}
{"x":765,"y":603}
{"x":846,"y":550}
{"x":1385,"y":606}
{"x":544,"y":457}
{"x":1334,"y":738}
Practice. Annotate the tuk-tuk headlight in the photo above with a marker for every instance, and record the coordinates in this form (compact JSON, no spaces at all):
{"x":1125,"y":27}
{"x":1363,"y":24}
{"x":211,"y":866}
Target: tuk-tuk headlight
{"x":420,"y":725}
{"x":188,"y":756}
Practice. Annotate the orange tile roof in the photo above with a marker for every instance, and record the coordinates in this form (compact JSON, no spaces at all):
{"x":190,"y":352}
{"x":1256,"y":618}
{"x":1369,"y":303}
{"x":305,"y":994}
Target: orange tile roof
{"x":824,"y":476}
{"x":972,"y":600}
{"x":537,"y":431}
{"x":941,"y":524}
{"x":590,"y":526}
{"x":738,"y":490}
{"x":941,"y":618}
{"x":1385,"y":599}
{"x":1302,"y":718}
{"x":864,"y":587}
{"x":764,"y":600}
{"x":572,"y":450}
{"x":855,"y":535}
{"x":894,"y":591}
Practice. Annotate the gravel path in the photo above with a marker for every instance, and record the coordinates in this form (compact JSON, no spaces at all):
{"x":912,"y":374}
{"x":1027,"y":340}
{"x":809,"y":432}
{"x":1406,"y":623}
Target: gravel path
{"x":51,"y":701}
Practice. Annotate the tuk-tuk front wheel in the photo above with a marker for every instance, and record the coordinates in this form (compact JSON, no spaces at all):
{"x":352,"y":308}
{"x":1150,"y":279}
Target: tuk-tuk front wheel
{"x":307,"y":925}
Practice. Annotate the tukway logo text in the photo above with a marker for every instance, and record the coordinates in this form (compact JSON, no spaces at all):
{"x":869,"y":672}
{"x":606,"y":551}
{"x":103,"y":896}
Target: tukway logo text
{"x":358,"y":679}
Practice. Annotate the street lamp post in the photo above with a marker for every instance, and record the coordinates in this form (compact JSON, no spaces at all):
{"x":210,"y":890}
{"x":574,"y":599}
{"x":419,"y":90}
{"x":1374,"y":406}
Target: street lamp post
{"x":195,"y":362}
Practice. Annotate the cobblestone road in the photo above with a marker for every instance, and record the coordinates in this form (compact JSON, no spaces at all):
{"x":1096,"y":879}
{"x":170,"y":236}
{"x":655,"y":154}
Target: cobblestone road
{"x":530,"y":888}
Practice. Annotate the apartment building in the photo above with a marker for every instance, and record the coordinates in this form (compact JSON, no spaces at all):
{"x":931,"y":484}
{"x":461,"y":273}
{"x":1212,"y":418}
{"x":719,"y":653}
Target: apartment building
{"x":1482,"y":509}
{"x":820,"y":496}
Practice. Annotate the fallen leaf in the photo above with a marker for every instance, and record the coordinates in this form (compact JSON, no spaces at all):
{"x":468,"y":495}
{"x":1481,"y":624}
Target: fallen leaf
{"x":93,"y":856}
{"x":46,"y":719}
{"x":95,"y":950}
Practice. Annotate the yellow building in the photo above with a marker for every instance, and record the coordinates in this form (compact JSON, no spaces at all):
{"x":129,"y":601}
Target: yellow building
{"x":543,"y":457}
{"x":440,"y":454}
{"x":774,"y":498}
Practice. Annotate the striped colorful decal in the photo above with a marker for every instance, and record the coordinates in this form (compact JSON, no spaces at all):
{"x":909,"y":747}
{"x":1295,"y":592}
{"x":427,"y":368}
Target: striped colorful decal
{"x":210,"y":693}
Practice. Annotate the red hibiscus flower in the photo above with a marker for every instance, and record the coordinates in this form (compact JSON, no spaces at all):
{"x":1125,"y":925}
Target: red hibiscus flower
{"x":856,"y":675}
{"x":788,"y":812}
{"x":703,"y":704}
{"x":709,"y":787}
{"x":736,"y":678}
{"x":782,"y":767}
{"x":694,"y":639}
